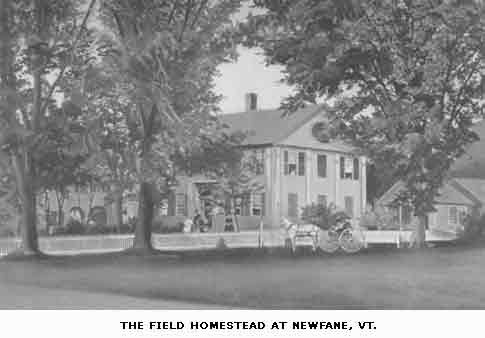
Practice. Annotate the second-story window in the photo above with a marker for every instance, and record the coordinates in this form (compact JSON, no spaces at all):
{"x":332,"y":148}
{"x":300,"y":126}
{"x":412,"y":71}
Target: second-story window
{"x":294,"y":163}
{"x":289,"y":158}
{"x":349,"y":168}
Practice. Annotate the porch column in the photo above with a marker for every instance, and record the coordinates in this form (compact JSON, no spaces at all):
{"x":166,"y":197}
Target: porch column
{"x":268,"y":191}
{"x":308,"y":177}
{"x":337,"y":180}
{"x":363,"y":184}
{"x":276,"y":186}
{"x":190,"y":197}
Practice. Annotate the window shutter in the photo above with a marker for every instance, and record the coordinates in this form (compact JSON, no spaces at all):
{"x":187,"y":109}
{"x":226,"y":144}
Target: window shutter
{"x":186,"y":206}
{"x":342,"y":167}
{"x":263,"y":204}
{"x":356,"y":168}
{"x":322,"y":165}
{"x":285,"y":162}
{"x":301,"y":164}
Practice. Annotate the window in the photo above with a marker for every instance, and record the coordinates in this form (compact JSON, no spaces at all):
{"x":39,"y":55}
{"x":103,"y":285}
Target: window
{"x":322,"y":200}
{"x":258,"y":205}
{"x":289,"y":162}
{"x":164,"y":207}
{"x":349,"y":168}
{"x":322,"y":165}
{"x":452,"y":215}
{"x":259,"y":159}
{"x":255,"y":157}
{"x":456,"y":215}
{"x":406,"y":214}
{"x":292,"y":205}
{"x":180,"y":205}
{"x":356,"y":168}
{"x":301,"y":164}
{"x":241,"y":205}
{"x":349,"y":206}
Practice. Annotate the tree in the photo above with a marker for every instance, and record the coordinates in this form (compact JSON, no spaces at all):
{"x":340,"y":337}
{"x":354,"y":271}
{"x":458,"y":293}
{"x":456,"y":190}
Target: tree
{"x":407,"y":75}
{"x":164,"y":56}
{"x":37,"y":38}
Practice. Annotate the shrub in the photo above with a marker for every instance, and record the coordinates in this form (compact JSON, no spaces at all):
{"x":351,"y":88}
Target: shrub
{"x":164,"y":226}
{"x":126,"y":229}
{"x":100,"y":229}
{"x":74,"y":227}
{"x":380,"y":219}
{"x":473,"y":227}
{"x":322,"y":216}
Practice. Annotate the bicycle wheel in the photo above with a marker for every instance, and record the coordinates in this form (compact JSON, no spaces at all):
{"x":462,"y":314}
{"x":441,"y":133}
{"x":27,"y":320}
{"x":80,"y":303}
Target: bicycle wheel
{"x":351,"y":241}
{"x":328,"y":241}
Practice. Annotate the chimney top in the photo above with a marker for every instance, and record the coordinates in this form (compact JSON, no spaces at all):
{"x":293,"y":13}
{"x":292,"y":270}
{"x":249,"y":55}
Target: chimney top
{"x":251,"y":100}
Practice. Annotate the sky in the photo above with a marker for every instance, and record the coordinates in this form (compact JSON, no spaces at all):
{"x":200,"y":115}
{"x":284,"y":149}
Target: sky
{"x":249,"y":74}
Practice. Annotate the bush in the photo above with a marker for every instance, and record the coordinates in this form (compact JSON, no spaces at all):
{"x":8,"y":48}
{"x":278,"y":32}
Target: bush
{"x":74,"y":227}
{"x":473,"y":227}
{"x":322,"y":216}
{"x":100,"y":229}
{"x":164,"y":226}
{"x":126,"y":229}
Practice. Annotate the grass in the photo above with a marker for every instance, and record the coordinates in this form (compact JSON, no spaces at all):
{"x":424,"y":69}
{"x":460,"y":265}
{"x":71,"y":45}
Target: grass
{"x":439,"y":278}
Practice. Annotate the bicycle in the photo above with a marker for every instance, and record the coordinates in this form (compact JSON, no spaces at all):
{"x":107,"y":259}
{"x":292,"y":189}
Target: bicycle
{"x":342,"y":236}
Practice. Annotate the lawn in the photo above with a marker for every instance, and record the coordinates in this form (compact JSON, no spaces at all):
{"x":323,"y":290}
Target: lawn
{"x":439,"y":278}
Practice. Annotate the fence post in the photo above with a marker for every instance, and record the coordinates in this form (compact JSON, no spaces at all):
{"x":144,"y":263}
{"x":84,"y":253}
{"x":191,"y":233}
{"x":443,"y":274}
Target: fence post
{"x":260,"y":234}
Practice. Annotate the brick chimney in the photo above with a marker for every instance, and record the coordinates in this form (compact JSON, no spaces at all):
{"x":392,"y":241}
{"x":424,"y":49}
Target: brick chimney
{"x":251,"y":100}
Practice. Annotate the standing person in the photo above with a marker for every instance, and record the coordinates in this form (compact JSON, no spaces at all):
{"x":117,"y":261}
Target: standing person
{"x":198,"y":221}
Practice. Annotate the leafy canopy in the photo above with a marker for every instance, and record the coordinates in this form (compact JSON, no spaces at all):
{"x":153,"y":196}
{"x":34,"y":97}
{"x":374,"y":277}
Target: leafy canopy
{"x":407,"y":76}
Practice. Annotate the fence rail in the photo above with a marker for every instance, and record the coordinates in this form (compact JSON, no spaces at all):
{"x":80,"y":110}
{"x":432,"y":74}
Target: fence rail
{"x":72,"y":245}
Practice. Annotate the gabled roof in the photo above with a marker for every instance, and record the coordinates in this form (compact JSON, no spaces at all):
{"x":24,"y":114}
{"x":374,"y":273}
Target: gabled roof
{"x":449,"y":193}
{"x":472,"y":187}
{"x":269,"y":126}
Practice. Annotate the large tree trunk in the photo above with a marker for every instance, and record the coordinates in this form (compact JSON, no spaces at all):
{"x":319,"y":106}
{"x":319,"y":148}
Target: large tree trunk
{"x":28,"y":228}
{"x":420,"y":238}
{"x":118,"y":208}
{"x":146,"y":210}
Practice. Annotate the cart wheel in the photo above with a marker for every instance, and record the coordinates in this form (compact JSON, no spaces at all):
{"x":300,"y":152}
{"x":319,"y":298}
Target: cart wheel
{"x":351,"y":241}
{"x":328,"y":241}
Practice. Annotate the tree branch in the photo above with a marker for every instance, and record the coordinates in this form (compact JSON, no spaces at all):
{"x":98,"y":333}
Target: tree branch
{"x":63,"y":68}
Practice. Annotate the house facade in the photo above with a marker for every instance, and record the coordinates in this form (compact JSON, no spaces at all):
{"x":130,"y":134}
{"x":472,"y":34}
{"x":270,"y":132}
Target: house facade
{"x":296,"y":169}
{"x":457,"y":198}
{"x":461,"y":194}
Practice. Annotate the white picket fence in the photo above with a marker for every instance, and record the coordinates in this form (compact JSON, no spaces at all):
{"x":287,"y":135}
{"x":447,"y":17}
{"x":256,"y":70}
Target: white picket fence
{"x":72,"y":245}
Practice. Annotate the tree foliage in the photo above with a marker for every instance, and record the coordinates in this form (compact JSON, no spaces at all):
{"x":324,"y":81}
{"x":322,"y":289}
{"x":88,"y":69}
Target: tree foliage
{"x":407,"y":76}
{"x":163,"y":57}
{"x":42,"y":44}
